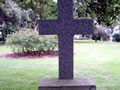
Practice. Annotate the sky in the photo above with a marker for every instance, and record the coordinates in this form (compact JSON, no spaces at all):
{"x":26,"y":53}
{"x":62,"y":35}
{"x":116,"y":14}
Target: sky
{"x":55,"y":0}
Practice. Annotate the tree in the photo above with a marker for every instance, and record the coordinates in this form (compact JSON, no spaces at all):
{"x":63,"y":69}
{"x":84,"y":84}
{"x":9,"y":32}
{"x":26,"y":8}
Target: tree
{"x":42,"y":9}
{"x":15,"y":14}
{"x":10,"y":16}
{"x":105,"y":12}
{"x":1,"y":1}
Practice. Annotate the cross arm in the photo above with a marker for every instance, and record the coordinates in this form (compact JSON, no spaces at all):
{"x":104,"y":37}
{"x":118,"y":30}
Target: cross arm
{"x":47,"y":27}
{"x":83,"y":26}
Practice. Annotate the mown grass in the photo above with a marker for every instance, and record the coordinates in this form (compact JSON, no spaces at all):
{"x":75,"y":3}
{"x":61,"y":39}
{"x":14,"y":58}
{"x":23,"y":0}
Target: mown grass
{"x":98,"y":61}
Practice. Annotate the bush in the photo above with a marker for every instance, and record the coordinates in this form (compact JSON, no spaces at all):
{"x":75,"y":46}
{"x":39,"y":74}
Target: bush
{"x":28,"y":40}
{"x":100,"y":34}
{"x":116,"y":37}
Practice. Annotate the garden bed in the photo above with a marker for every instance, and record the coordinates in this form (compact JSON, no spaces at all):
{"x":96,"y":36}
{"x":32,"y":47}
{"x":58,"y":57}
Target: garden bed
{"x":31,"y":55}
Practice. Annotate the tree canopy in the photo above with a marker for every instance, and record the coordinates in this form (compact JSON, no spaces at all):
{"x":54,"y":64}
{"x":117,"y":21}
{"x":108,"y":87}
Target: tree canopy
{"x":25,"y":13}
{"x":15,"y":14}
{"x":105,"y":12}
{"x":43,"y":7}
{"x":10,"y":16}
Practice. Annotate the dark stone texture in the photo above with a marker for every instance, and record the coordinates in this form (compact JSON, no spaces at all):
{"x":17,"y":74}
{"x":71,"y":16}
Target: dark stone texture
{"x":65,"y":57}
{"x":65,"y":9}
{"x":74,"y":84}
{"x":65,"y":27}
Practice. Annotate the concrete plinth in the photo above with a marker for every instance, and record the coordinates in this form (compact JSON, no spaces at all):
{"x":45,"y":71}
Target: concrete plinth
{"x":75,"y":84}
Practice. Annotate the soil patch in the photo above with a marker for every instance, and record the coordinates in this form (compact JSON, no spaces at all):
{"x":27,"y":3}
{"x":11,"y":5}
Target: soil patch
{"x":31,"y":55}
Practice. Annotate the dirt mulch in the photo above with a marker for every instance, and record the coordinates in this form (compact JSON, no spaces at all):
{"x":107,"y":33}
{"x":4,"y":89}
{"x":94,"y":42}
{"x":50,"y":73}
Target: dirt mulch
{"x":31,"y":55}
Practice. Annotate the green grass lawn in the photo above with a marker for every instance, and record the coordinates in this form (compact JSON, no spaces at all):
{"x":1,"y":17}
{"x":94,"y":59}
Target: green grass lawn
{"x":98,"y":61}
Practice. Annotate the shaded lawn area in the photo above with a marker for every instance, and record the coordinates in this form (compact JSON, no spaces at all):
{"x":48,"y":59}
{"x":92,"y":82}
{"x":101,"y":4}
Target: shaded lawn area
{"x":99,"y":61}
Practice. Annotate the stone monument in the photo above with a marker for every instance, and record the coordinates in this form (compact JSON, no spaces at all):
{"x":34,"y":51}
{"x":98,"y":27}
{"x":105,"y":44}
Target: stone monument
{"x":66,"y":27}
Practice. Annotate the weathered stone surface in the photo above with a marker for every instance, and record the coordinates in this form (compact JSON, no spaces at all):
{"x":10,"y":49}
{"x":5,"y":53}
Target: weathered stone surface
{"x":65,"y":27}
{"x":74,"y":84}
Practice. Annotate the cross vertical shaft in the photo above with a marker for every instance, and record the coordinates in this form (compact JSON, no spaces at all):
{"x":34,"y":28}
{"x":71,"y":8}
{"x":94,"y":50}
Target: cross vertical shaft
{"x":65,"y":56}
{"x":65,"y":27}
{"x":65,"y":9}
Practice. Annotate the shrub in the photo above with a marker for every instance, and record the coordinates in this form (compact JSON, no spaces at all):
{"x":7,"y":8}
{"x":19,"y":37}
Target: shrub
{"x":28,"y":40}
{"x":116,"y":34}
{"x":116,"y":37}
{"x":100,"y":34}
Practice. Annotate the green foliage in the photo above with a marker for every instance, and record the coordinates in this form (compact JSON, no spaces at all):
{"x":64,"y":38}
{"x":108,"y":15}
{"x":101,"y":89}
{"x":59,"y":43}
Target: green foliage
{"x":100,"y":34}
{"x":45,"y":8}
{"x":1,"y":1}
{"x":116,"y":37}
{"x":24,"y":18}
{"x":28,"y":40}
{"x":12,"y":11}
{"x":12,"y":16}
{"x":17,"y":14}
{"x":103,"y":11}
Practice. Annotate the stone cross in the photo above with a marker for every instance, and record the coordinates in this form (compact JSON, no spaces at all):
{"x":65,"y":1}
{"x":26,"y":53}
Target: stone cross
{"x":65,"y":27}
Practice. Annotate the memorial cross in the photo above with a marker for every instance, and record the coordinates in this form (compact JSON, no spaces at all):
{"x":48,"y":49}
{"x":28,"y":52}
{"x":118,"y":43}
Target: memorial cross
{"x":65,"y":27}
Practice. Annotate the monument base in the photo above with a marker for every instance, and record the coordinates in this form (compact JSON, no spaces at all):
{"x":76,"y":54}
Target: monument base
{"x":75,"y":84}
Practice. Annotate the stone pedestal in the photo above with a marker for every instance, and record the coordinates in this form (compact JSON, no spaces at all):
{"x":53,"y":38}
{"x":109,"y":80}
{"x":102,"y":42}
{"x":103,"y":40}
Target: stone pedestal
{"x":75,"y":84}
